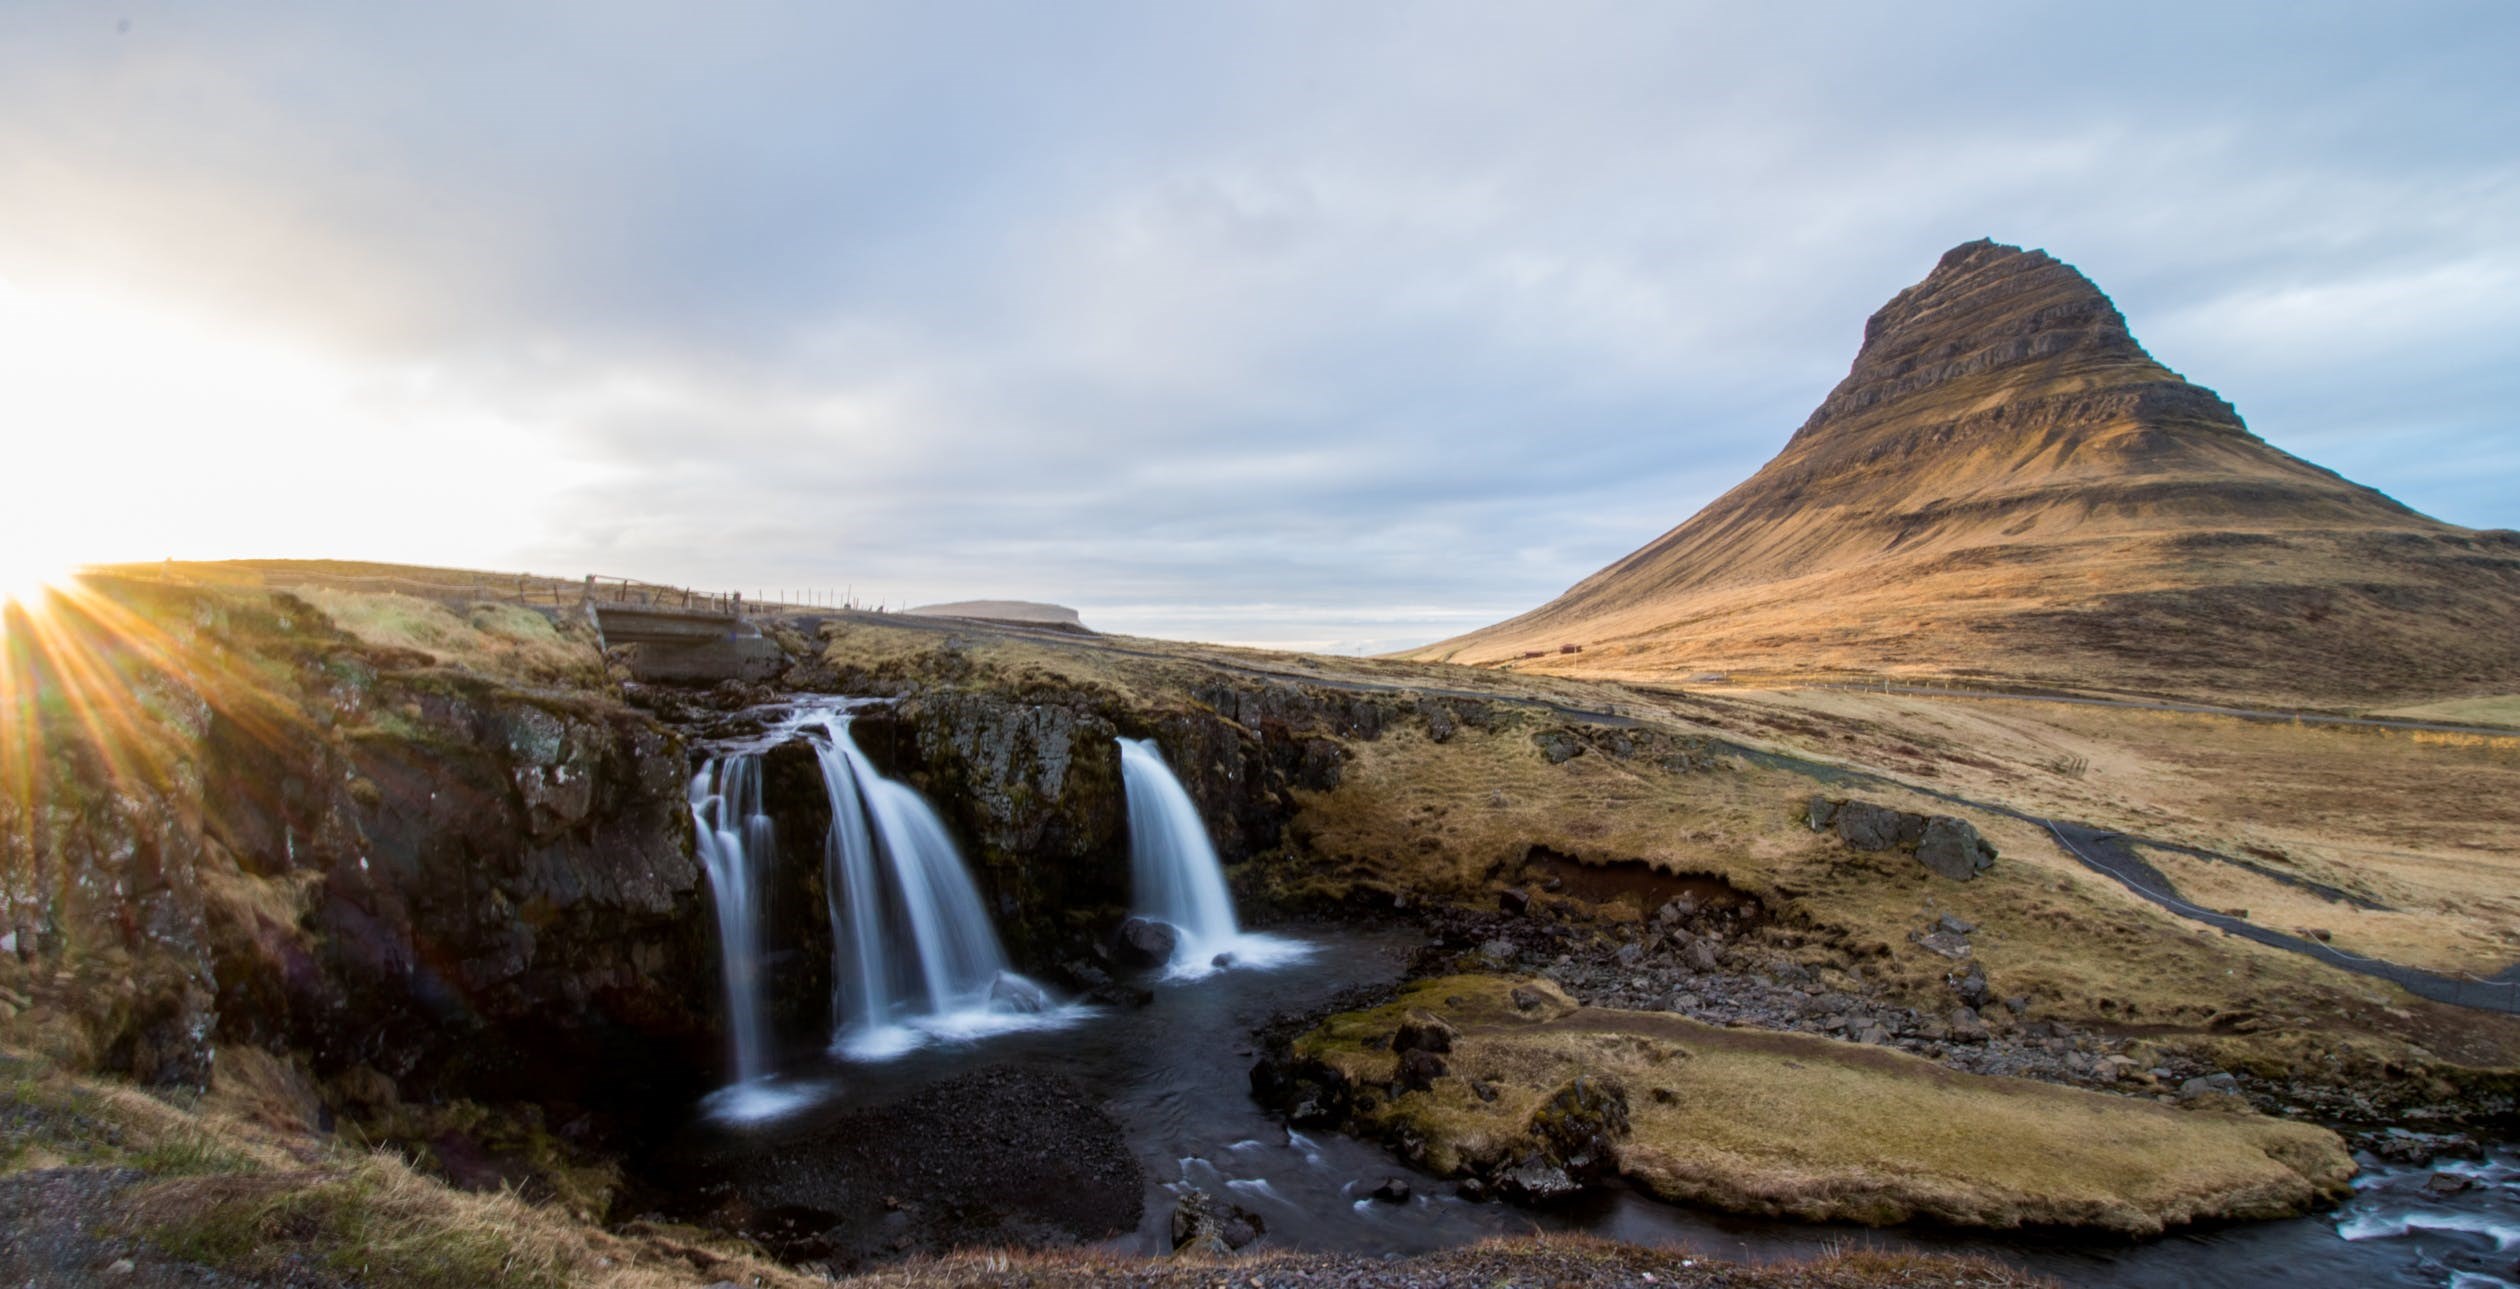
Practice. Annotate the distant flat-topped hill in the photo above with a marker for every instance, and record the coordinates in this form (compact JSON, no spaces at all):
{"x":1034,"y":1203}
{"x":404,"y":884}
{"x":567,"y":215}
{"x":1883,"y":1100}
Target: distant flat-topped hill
{"x":2008,"y":484}
{"x":1026,"y":612}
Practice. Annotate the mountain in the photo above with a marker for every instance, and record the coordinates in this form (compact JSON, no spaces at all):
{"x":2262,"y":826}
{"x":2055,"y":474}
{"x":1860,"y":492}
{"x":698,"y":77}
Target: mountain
{"x":2007,"y":485}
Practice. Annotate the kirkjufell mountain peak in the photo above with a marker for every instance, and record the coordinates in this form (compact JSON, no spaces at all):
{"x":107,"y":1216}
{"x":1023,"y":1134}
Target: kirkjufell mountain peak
{"x":2007,"y":482}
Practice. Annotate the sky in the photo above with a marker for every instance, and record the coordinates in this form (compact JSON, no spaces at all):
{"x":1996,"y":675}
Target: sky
{"x":1340,"y":326}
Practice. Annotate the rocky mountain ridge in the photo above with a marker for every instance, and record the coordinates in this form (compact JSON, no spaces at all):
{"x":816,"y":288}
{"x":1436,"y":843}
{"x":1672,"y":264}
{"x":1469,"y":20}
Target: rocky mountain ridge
{"x":2007,"y":483}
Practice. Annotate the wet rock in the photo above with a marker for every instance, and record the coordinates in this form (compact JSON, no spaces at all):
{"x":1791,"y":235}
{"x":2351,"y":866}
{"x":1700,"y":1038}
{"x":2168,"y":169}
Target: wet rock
{"x":1536,"y":1181}
{"x":1952,"y":848}
{"x":1473,"y":1189}
{"x":1392,"y":1191}
{"x":1202,"y":1223}
{"x":1012,"y":993}
{"x":2446,"y":1184}
{"x":1222,"y":960}
{"x":1513,"y":899}
{"x":1144,"y":942}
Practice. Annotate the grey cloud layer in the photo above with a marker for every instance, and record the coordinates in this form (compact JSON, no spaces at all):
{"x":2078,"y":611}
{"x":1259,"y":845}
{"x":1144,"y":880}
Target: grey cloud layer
{"x":1305,"y":324}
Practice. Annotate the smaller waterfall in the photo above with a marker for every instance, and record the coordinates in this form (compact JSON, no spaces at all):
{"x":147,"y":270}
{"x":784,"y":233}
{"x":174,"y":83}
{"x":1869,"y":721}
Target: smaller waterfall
{"x":1179,"y":880}
{"x":735,"y":839}
{"x":915,"y":956}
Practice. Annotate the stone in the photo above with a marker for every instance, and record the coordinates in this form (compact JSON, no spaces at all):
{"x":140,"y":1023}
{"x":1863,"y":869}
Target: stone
{"x":1535,"y":1180}
{"x":1952,"y":848}
{"x":1499,"y":951}
{"x":1222,"y":960}
{"x":1392,"y":1191}
{"x":1559,"y":746}
{"x":1419,"y":1069}
{"x":1866,"y":826}
{"x":1942,"y":942}
{"x":1702,"y":955}
{"x":1966,"y":1027}
{"x":1012,"y":993}
{"x":1972,"y":987}
{"x":1955,"y":925}
{"x":1144,"y":942}
{"x":1472,"y":1189}
{"x":1423,"y":1031}
{"x":1513,"y":899}
{"x":1818,"y":812}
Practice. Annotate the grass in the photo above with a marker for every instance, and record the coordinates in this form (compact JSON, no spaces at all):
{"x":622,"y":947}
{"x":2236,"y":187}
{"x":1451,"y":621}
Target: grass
{"x":502,"y":641}
{"x":2499,"y":709}
{"x":236,"y":1183}
{"x":1800,"y":1126}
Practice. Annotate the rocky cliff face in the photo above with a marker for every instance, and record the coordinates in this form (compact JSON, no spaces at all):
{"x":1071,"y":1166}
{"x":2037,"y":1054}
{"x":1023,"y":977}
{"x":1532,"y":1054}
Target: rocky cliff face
{"x":1029,"y":780}
{"x":226,"y":822}
{"x":2005,"y":481}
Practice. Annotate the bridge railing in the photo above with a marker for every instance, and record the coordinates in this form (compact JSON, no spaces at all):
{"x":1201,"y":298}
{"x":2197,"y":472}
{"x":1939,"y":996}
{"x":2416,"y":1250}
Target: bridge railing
{"x":602,"y":590}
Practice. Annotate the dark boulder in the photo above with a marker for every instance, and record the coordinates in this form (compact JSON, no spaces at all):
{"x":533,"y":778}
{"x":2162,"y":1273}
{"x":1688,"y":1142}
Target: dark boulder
{"x":1393,"y":1190}
{"x":1202,"y":1223}
{"x":1423,"y":1031}
{"x":1952,"y":848}
{"x":1866,"y":826}
{"x":1144,"y":942}
{"x":1420,"y":1069}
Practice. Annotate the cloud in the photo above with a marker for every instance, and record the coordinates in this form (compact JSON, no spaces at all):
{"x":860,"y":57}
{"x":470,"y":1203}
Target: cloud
{"x":1287,"y":323}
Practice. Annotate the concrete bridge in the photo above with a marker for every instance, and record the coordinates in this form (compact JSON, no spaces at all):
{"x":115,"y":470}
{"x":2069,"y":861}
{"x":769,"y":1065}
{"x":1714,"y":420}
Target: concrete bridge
{"x":679,"y":635}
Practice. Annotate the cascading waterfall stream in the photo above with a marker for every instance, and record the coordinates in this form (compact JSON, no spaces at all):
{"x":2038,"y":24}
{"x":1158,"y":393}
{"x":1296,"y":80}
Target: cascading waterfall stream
{"x":915,"y":953}
{"x":735,"y":838}
{"x":914,"y":956}
{"x":1179,"y":880}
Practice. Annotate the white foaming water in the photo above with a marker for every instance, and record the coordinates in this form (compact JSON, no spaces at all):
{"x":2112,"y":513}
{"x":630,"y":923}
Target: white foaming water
{"x":914,"y":957}
{"x":1177,"y":876}
{"x":2381,"y":1224}
{"x":735,"y":839}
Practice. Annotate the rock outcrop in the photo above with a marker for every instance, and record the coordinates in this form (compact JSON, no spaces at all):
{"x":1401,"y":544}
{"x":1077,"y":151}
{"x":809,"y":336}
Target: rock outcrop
{"x":2006,"y":481}
{"x":1947,"y":844}
{"x":342,"y":853}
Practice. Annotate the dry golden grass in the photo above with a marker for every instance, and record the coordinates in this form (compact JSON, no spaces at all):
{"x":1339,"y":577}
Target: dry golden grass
{"x":231,"y":1184}
{"x":503,"y":641}
{"x":2426,"y":823}
{"x":1807,"y":1127}
{"x":2499,"y":709}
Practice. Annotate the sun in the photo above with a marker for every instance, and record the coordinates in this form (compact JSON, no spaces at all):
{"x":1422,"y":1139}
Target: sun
{"x":26,"y":578}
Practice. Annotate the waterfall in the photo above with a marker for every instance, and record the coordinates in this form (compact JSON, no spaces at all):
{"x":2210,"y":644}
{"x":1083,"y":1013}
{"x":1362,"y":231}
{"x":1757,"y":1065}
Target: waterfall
{"x":1179,"y":880}
{"x":735,"y":839}
{"x":914,"y":954}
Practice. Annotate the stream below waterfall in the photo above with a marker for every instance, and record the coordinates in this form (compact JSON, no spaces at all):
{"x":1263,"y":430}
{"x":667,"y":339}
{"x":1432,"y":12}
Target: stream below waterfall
{"x":1174,"y":1074}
